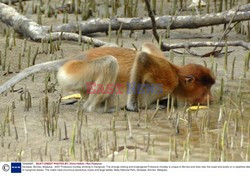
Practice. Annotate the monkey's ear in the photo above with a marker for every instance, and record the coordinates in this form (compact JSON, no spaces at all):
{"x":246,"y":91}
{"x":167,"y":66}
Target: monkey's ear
{"x":189,"y":79}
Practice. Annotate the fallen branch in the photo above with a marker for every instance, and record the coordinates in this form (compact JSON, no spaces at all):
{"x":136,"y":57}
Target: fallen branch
{"x":31,"y":29}
{"x":21,"y":24}
{"x":11,"y":1}
{"x":243,"y":44}
{"x":36,"y":32}
{"x":75,"y":37}
{"x":162,"y":22}
{"x":216,"y":53}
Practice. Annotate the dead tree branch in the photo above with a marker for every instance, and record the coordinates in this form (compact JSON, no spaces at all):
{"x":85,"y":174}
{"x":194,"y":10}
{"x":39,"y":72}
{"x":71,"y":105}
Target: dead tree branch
{"x":162,"y":22}
{"x":243,"y":44}
{"x":75,"y":37}
{"x":21,"y":24}
{"x":152,"y":17}
{"x":11,"y":1}
{"x":226,"y":31}
{"x":36,"y":32}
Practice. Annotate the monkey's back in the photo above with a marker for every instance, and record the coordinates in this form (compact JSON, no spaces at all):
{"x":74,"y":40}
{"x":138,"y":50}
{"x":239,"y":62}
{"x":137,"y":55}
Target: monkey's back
{"x":125,"y":58}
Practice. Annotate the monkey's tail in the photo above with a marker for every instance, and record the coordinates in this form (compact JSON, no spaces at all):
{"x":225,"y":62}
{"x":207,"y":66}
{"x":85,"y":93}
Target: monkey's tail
{"x":47,"y":66}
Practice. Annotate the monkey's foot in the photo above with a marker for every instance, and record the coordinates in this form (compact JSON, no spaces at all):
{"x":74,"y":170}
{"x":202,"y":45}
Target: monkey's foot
{"x":88,"y":108}
{"x":131,"y":109}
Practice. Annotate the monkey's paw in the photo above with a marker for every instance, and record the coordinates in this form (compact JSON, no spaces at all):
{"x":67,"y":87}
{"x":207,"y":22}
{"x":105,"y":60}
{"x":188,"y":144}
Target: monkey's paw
{"x":133,"y":109}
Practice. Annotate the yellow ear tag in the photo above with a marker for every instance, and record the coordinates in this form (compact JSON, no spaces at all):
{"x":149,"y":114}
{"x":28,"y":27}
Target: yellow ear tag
{"x":74,"y":96}
{"x":194,"y":108}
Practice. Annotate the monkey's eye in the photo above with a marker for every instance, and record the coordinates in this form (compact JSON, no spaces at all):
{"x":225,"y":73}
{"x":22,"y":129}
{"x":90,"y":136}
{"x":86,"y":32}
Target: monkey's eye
{"x":189,"y":79}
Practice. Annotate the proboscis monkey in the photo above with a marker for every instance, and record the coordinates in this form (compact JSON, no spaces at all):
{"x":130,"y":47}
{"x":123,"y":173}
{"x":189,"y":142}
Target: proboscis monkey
{"x":144,"y":75}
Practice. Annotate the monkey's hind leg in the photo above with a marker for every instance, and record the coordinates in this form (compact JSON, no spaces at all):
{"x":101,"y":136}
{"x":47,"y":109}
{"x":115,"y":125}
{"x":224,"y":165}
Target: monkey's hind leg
{"x":105,"y":70}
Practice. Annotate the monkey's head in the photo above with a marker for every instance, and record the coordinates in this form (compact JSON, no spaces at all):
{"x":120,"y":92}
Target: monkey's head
{"x":195,"y":82}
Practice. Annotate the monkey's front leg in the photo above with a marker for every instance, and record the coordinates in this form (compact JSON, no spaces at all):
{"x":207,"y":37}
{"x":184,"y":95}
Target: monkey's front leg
{"x":137,"y":79}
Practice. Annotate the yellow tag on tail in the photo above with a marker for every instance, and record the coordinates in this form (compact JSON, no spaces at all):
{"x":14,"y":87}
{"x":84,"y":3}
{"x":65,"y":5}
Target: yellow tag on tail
{"x":74,"y":96}
{"x":194,"y":108}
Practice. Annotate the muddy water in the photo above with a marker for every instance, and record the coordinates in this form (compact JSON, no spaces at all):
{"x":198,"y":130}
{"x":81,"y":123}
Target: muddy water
{"x":220,"y":133}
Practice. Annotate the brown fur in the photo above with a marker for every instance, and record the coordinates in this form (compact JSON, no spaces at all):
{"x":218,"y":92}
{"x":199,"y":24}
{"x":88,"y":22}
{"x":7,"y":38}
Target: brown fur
{"x":111,"y":65}
{"x":191,"y":82}
{"x":197,"y":91}
{"x":125,"y":58}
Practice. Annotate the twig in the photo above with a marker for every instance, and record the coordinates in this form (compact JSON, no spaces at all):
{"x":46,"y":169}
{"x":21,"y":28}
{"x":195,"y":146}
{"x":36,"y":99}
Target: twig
{"x":224,"y":33}
{"x":152,"y":17}
{"x":191,"y":52}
